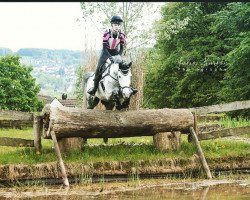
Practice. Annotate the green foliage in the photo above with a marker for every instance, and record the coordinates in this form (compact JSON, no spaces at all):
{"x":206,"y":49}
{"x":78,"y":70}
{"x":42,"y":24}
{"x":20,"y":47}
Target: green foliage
{"x":201,"y":54}
{"x":18,"y":90}
{"x":235,"y":24}
{"x":79,"y":84}
{"x":57,"y":64}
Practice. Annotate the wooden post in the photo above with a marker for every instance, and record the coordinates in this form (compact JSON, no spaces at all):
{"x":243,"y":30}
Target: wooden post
{"x":200,"y":153}
{"x":190,"y":139}
{"x":70,"y":144}
{"x":37,"y":131}
{"x":60,"y":160}
{"x":16,"y":142}
{"x":165,"y":141}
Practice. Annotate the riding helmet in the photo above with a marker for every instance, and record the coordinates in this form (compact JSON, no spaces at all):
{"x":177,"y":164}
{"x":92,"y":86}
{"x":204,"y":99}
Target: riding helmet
{"x":116,"y":19}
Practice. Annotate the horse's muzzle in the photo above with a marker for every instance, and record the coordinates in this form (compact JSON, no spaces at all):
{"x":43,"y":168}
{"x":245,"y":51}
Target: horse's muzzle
{"x":127,"y":92}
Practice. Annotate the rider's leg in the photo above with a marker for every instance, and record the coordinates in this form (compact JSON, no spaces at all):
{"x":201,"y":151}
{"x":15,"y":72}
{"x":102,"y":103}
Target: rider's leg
{"x":98,"y":76}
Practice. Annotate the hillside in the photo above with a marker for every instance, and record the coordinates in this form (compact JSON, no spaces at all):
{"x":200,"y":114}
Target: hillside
{"x":54,"y":70}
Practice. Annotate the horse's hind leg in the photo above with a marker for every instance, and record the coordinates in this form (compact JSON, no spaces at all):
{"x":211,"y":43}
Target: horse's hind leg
{"x":108,"y":106}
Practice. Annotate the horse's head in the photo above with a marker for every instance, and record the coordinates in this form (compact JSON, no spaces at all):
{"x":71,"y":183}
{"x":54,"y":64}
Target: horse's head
{"x":124,"y":79}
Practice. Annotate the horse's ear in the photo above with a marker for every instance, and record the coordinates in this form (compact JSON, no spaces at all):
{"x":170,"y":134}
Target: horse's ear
{"x":130,"y":63}
{"x":134,"y":91}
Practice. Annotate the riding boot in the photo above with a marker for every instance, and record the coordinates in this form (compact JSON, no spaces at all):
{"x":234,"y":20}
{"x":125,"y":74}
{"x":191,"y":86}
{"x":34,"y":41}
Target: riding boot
{"x":93,"y":90}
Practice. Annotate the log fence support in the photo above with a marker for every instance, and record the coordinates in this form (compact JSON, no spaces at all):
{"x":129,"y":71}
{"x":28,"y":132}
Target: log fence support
{"x":190,"y":139}
{"x":200,"y":153}
{"x":37,"y":131}
{"x":60,"y":160}
{"x":167,"y":141}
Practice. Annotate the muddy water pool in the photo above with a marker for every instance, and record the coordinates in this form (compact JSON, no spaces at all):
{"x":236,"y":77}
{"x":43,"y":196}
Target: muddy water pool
{"x":200,"y":190}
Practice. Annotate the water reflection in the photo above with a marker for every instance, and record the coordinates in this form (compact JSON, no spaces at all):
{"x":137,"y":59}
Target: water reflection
{"x":213,"y":192}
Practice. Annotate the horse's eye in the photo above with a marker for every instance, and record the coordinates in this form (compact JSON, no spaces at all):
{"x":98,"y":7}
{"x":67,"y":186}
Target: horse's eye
{"x":119,"y":76}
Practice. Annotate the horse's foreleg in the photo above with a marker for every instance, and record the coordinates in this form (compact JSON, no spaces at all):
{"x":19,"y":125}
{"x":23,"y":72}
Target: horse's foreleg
{"x":92,"y":102}
{"x":108,"y":105}
{"x":123,"y":105}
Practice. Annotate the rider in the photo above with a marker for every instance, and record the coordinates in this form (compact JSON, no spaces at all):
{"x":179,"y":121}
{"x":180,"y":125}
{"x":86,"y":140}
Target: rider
{"x":113,"y":45}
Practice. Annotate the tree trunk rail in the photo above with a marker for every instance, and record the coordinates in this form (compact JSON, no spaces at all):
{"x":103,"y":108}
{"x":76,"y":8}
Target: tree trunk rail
{"x":16,"y":142}
{"x":12,"y":114}
{"x":15,"y":123}
{"x":87,"y":123}
{"x":218,"y":108}
{"x":224,"y":133}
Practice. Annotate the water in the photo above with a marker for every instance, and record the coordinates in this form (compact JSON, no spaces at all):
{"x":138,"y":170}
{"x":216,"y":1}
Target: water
{"x":209,"y":190}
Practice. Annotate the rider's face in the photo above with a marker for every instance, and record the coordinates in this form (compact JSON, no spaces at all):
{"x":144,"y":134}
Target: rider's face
{"x":116,"y":27}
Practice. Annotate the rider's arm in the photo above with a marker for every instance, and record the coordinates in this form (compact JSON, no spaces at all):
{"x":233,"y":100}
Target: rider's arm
{"x":121,"y":49}
{"x":105,"y":47}
{"x":122,"y":43}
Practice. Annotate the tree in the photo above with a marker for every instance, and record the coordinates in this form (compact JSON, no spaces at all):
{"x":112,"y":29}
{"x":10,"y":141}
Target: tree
{"x":192,"y":59}
{"x":233,"y":25}
{"x":18,"y":90}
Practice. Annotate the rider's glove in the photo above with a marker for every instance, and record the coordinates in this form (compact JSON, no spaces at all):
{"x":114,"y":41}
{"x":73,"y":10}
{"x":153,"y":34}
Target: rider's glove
{"x":111,"y":59}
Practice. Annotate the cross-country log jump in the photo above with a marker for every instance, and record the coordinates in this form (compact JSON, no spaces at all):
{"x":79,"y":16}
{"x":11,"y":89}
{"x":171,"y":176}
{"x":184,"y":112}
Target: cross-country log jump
{"x":64,"y":122}
{"x":76,"y":122}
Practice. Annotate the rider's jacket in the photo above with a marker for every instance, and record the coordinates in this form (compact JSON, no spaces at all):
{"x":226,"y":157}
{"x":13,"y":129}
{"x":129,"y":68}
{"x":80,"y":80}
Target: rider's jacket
{"x":112,"y":46}
{"x":113,"y":43}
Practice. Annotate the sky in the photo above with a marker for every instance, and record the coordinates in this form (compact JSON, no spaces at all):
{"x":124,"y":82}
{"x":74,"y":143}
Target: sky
{"x":50,"y":25}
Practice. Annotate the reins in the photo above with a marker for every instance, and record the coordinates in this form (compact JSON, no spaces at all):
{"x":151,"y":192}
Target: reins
{"x":116,"y":79}
{"x":108,"y":74}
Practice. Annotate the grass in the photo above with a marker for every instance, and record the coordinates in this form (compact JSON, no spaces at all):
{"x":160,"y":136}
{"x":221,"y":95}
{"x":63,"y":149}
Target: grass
{"x":12,"y":155}
{"x":228,"y":122}
{"x":120,"y":149}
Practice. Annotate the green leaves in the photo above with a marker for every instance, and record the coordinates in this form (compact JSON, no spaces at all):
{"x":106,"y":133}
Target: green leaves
{"x":18,"y":90}
{"x":204,"y":55}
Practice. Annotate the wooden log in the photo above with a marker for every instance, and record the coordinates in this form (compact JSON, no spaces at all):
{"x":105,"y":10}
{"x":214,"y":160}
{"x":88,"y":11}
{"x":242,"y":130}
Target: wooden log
{"x":60,"y":160}
{"x":16,"y":142}
{"x":166,"y":141}
{"x":13,"y":114}
{"x":208,"y":118}
{"x":37,"y":131}
{"x":76,"y":122}
{"x":208,"y":127}
{"x":15,"y":123}
{"x":200,"y":153}
{"x":224,"y":133}
{"x":226,"y":107}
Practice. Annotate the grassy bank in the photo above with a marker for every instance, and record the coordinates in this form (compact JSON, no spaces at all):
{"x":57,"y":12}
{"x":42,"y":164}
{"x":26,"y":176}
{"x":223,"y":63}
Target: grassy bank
{"x":121,"y":149}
